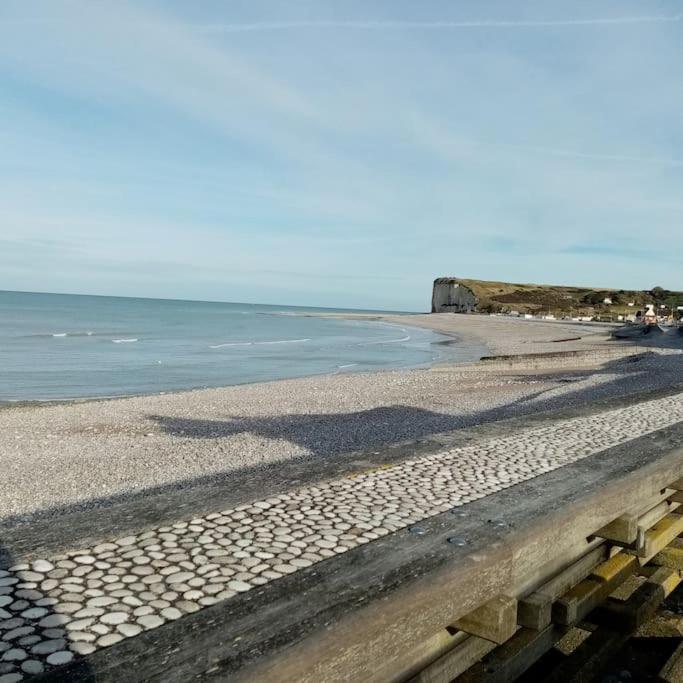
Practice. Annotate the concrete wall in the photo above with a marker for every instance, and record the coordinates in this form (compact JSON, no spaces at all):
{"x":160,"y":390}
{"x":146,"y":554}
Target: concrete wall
{"x":450,"y":296}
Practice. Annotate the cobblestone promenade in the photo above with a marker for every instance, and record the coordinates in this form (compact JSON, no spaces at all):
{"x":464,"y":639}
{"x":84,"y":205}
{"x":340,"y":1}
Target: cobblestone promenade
{"x":58,"y":608}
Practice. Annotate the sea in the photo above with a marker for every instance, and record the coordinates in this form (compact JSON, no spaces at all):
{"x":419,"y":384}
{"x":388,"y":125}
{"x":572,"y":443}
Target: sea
{"x":65,"y":346}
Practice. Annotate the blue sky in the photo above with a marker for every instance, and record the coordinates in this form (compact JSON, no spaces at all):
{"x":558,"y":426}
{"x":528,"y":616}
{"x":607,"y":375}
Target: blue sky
{"x":338,"y":153}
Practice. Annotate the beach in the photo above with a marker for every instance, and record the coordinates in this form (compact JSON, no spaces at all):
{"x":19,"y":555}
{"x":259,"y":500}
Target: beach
{"x":90,"y":453}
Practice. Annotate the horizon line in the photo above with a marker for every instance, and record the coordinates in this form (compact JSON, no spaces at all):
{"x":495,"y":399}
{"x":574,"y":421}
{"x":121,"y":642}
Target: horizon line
{"x":209,"y":301}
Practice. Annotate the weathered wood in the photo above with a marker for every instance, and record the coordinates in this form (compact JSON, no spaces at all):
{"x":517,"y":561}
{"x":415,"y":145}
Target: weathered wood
{"x":585,"y":596}
{"x":659,"y":536}
{"x":671,"y":556}
{"x":672,"y":671}
{"x":611,"y":570}
{"x":653,"y":515}
{"x":372,"y":642}
{"x":676,"y":485}
{"x":455,"y":661}
{"x":627,"y":616}
{"x":588,"y":659}
{"x":422,"y":653}
{"x":534,"y":611}
{"x":495,"y":620}
{"x":513,"y":658}
{"x":667,"y":578}
{"x":676,"y":497}
{"x":621,"y":530}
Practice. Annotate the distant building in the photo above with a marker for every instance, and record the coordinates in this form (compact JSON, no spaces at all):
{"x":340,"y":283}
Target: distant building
{"x":607,"y":301}
{"x":631,"y":303}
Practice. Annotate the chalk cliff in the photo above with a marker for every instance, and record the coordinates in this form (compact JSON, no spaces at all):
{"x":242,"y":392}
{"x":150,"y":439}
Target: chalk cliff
{"x":452,"y":296}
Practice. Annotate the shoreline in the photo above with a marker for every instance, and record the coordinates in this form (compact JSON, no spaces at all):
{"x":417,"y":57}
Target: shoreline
{"x":451,"y":338}
{"x":93,"y":451}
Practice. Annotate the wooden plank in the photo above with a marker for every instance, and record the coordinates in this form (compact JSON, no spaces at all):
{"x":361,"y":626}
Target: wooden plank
{"x":588,"y":659}
{"x":659,"y":536}
{"x":576,"y":603}
{"x":672,"y":671}
{"x":653,"y":515}
{"x":676,"y":497}
{"x":609,"y":570}
{"x":676,"y":485}
{"x":455,"y":662}
{"x":534,"y":611}
{"x":509,"y":661}
{"x":422,"y":653}
{"x":627,"y":616}
{"x":621,"y":530}
{"x":495,"y":620}
{"x":619,"y":620}
{"x":670,"y":557}
{"x":667,"y":578}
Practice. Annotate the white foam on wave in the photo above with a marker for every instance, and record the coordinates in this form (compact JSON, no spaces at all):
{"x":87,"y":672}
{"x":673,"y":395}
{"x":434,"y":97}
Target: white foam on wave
{"x":348,"y":365}
{"x":124,"y":341}
{"x":220,"y":346}
{"x":285,"y":341}
{"x":261,"y":343}
{"x":59,"y":334}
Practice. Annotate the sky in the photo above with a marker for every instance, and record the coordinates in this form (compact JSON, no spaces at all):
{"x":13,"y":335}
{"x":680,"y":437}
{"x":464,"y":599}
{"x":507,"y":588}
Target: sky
{"x":341,"y":153}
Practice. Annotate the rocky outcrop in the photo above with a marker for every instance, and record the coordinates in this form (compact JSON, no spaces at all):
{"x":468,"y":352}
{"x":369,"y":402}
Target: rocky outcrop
{"x":450,"y":295}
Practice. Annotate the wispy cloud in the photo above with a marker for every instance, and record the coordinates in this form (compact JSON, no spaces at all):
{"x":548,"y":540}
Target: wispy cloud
{"x":391,"y":25}
{"x":379,"y":152}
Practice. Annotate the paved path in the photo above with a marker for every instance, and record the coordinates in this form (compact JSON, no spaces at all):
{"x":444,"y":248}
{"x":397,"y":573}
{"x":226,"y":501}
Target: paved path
{"x":70,"y":605}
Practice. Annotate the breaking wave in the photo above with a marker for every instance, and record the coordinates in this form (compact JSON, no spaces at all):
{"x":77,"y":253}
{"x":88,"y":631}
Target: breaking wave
{"x":261,"y":343}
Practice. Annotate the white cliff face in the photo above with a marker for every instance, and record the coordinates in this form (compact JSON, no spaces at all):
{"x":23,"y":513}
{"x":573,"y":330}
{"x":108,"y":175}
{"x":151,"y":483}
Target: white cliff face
{"x":451,"y":296}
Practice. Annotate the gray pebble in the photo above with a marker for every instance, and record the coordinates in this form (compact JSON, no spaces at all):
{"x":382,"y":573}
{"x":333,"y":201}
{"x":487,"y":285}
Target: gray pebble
{"x":32,"y":667}
{"x":61,"y":657}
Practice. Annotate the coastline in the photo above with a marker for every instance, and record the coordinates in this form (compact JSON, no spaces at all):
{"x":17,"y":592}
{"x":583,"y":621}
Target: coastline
{"x":96,"y":451}
{"x":472,"y":349}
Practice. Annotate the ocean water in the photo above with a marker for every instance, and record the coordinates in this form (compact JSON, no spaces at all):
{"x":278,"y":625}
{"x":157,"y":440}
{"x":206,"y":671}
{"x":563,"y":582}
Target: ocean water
{"x":60,"y":346}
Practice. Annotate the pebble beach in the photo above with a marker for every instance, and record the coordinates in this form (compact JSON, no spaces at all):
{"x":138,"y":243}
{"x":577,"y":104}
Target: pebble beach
{"x":90,"y":451}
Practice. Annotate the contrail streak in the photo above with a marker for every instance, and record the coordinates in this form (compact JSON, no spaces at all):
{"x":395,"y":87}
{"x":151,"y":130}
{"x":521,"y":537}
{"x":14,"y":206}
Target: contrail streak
{"x":389,"y":25}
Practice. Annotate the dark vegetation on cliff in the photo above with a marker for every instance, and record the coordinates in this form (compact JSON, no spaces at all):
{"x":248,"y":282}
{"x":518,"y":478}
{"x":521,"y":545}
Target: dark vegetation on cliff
{"x":501,"y":297}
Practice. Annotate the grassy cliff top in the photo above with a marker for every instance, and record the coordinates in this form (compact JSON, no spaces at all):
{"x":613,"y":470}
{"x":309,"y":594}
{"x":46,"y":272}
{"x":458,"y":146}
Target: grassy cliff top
{"x":533,"y":298}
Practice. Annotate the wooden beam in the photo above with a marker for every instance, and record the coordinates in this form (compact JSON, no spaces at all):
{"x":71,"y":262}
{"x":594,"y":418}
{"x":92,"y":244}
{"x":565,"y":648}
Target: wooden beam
{"x":455,"y":661}
{"x":534,"y":611}
{"x":667,"y":578}
{"x":627,"y":616}
{"x":654,"y":514}
{"x":676,"y":485}
{"x":621,"y":530}
{"x":659,"y":536}
{"x":495,"y":620}
{"x":671,"y":556}
{"x":576,"y":603}
{"x":672,"y":671}
{"x":509,"y":661}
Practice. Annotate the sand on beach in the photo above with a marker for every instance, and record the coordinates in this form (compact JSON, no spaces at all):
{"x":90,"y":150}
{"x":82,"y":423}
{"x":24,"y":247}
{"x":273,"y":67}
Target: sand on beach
{"x":83,"y":453}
